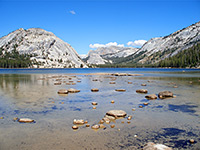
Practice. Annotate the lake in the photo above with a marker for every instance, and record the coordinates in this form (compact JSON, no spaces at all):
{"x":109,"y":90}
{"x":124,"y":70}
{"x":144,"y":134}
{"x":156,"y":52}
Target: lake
{"x":32,"y":93}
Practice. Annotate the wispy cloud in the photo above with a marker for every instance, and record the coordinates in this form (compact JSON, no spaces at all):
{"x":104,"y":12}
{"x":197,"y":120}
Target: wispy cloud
{"x":97,"y":45}
{"x":72,"y":12}
{"x":137,"y":43}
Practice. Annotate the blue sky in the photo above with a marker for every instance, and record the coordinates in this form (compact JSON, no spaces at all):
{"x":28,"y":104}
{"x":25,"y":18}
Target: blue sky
{"x":87,"y":24}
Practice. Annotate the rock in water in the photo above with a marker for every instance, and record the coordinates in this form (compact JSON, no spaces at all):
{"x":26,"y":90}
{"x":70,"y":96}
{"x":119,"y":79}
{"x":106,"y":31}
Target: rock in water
{"x":165,"y":94}
{"x":151,"y":96}
{"x":141,"y":91}
{"x":71,"y":90}
{"x":152,"y":146}
{"x":63,"y":91}
{"x":95,"y":90}
{"x":79,"y":121}
{"x":116,"y":113}
{"x":120,"y":90}
{"x":26,"y":120}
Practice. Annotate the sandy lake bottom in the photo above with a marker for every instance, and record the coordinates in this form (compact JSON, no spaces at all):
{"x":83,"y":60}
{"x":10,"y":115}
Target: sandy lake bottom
{"x":172,"y":122}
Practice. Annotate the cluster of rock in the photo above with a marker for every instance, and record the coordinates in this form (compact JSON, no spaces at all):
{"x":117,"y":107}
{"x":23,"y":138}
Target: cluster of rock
{"x":107,"y":119}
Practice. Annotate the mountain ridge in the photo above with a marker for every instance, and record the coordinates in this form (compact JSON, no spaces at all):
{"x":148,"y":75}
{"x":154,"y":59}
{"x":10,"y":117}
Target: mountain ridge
{"x":48,"y":50}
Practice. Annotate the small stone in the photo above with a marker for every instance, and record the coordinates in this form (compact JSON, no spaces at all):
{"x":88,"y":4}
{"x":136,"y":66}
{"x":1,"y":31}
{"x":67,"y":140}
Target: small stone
{"x":151,"y":96}
{"x":192,"y":141}
{"x":73,"y":83}
{"x":129,"y":117}
{"x":143,"y":85}
{"x":94,"y":103}
{"x":86,"y":121}
{"x":15,"y":119}
{"x":175,"y":86}
{"x":95,"y":90}
{"x":128,"y":122}
{"x":94,"y":107}
{"x":79,"y":121}
{"x":101,"y":121}
{"x":26,"y":120}
{"x":135,"y":135}
{"x":112,"y":82}
{"x":102,"y":126}
{"x":140,"y":106}
{"x":106,"y":120}
{"x":58,"y":83}
{"x":133,"y":109}
{"x":87,"y":125}
{"x":79,"y":81}
{"x":62,"y":102}
{"x":130,"y":82}
{"x":95,"y":126}
{"x":122,"y":122}
{"x":112,"y":101}
{"x":71,"y":90}
{"x":75,"y":127}
{"x":112,"y":125}
{"x":145,"y":103}
{"x":120,"y":90}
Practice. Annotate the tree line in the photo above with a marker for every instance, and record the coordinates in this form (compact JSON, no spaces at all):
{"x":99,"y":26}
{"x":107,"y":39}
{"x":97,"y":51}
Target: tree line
{"x":186,"y":58}
{"x":13,"y":59}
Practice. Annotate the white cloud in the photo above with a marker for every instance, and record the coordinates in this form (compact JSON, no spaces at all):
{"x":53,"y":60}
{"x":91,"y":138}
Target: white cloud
{"x":137,"y":43}
{"x":72,"y":12}
{"x":106,"y":45}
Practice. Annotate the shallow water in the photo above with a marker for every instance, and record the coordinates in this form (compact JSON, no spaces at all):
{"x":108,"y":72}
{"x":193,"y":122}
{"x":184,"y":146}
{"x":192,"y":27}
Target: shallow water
{"x":31,"y":93}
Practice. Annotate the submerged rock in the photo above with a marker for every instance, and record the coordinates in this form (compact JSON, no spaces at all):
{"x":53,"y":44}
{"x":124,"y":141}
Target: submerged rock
{"x":26,"y":120}
{"x":95,"y":126}
{"x":120,"y":90}
{"x":116,"y":113}
{"x":142,"y":91}
{"x":71,"y":90}
{"x":151,"y":96}
{"x":153,"y":146}
{"x":165,"y":94}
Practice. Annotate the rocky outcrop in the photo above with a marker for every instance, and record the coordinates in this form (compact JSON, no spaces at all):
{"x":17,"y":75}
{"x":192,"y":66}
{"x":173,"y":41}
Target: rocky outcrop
{"x":46,"y":50}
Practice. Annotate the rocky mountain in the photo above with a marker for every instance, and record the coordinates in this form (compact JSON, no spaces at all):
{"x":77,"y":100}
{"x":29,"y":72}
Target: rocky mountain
{"x":109,"y":54}
{"x":157,"y":49}
{"x":153,"y":51}
{"x":46,"y":50}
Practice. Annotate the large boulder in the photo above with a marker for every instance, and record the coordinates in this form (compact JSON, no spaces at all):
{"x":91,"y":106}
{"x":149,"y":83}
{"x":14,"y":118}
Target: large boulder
{"x":153,"y":146}
{"x":165,"y":94}
{"x":116,"y":113}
